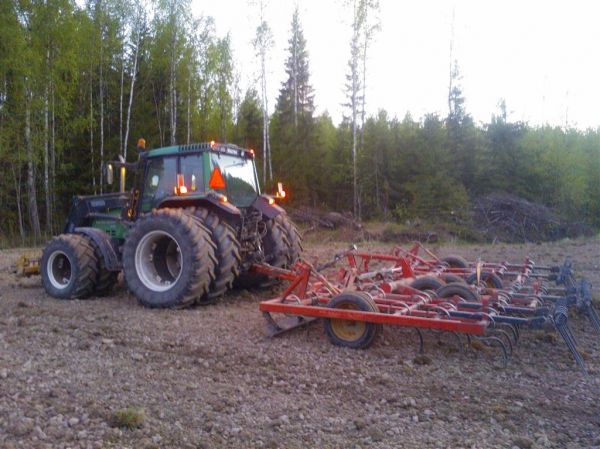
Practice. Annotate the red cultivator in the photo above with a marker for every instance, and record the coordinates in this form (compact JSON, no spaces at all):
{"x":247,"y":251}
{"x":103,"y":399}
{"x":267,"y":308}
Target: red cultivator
{"x":487,"y":302}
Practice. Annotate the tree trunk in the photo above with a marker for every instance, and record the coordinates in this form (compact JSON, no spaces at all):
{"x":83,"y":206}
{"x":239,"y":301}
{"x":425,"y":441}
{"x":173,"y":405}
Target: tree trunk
{"x":46,"y":154}
{"x":172,"y":80}
{"x":17,"y":181}
{"x":132,"y":85}
{"x":92,"y":132}
{"x":31,"y":190}
{"x":101,"y":99}
{"x":52,"y":160}
{"x":121,"y":88}
{"x":189,"y":105}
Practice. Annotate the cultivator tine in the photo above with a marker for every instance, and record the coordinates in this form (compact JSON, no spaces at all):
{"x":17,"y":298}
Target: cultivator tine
{"x":593,"y":317}
{"x":562,"y":326}
{"x":421,"y":342}
{"x":584,"y":302}
{"x":511,"y":331}
{"x":495,"y":341}
{"x":501,"y":334}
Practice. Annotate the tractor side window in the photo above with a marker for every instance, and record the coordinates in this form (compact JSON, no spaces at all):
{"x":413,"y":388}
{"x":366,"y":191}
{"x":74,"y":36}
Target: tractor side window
{"x":191,"y":167}
{"x":161,"y":179}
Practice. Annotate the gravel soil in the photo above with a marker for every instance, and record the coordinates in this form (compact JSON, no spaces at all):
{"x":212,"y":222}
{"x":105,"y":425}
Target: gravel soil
{"x":209,"y":378}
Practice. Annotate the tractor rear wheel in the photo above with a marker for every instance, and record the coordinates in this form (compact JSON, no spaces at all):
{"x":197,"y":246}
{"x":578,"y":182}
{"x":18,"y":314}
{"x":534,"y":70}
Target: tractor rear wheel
{"x":352,"y":333}
{"x":276,"y":244}
{"x":294,"y":238}
{"x":69,"y":267}
{"x":227,"y":252}
{"x":168,"y":259}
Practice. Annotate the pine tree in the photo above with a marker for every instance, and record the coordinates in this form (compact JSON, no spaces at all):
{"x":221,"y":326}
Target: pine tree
{"x":296,"y":99}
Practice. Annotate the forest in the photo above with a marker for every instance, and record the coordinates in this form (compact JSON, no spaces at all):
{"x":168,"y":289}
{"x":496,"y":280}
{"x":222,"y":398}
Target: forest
{"x":81,"y":82}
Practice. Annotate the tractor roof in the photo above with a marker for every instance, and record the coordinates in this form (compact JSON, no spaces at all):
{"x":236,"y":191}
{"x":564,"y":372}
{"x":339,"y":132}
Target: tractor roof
{"x":224,"y":148}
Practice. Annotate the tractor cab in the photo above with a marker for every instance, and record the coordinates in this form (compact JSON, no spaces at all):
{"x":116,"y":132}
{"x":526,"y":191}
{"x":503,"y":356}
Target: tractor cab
{"x":186,"y":173}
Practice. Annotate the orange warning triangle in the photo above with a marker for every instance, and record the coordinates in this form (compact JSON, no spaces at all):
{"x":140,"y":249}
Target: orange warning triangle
{"x":216,"y":179}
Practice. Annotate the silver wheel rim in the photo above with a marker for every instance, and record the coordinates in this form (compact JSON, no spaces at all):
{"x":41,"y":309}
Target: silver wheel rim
{"x":59,"y":270}
{"x":158,"y":261}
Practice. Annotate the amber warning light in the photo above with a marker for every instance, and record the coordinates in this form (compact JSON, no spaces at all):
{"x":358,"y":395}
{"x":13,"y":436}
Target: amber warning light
{"x":180,"y":188}
{"x":280,"y":192}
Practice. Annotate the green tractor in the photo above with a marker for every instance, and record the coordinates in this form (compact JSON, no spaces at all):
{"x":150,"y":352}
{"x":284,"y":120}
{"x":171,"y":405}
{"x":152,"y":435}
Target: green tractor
{"x":191,"y":226}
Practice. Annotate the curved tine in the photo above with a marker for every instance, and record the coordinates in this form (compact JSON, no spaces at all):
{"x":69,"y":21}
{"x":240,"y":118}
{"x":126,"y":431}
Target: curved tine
{"x":461,"y":347}
{"x":512,"y":330}
{"x":421,"y":341}
{"x":441,"y":309}
{"x":498,"y":342}
{"x":449,"y":305}
{"x":505,"y":336}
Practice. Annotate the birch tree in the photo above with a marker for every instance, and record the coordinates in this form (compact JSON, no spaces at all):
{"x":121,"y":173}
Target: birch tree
{"x":263,"y":42}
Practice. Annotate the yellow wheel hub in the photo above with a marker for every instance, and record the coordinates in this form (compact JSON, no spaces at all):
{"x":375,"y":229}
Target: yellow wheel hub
{"x":347,"y":329}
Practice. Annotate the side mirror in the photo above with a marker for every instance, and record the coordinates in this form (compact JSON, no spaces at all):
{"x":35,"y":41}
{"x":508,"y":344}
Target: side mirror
{"x":110,"y":175}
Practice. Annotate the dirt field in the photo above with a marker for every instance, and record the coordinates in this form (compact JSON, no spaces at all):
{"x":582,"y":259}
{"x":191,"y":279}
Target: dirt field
{"x":208,"y":378}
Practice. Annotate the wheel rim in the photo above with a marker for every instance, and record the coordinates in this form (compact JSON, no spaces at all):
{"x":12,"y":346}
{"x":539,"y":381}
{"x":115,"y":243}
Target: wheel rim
{"x":348,"y":330}
{"x":59,"y":270}
{"x":158,"y":261}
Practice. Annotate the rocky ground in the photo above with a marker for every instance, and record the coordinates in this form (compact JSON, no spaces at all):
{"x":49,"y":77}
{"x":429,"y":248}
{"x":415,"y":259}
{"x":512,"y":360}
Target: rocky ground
{"x":76,"y":373}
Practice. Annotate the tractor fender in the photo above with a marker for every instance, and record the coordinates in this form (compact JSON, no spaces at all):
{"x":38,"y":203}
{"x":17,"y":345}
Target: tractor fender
{"x":210,"y":202}
{"x":261,"y":203}
{"x":105,"y":244}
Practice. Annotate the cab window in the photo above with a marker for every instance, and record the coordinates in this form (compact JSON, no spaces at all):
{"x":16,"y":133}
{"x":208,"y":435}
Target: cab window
{"x":161,"y":178}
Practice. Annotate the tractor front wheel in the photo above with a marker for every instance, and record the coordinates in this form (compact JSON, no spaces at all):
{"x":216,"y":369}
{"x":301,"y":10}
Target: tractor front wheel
{"x":169,"y":259}
{"x":69,"y":267}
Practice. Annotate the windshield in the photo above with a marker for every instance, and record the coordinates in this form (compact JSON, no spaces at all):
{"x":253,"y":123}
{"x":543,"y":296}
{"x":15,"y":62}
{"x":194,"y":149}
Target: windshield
{"x":239,"y":177}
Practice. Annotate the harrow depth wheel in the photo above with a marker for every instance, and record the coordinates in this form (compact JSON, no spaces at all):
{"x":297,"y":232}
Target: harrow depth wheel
{"x":487,"y":279}
{"x":351,"y":333}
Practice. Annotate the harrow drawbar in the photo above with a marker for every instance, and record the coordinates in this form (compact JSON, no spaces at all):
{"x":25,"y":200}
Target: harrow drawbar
{"x":358,"y":292}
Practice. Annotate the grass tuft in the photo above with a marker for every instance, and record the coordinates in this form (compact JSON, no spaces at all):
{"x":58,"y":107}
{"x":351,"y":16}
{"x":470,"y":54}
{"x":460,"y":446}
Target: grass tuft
{"x":129,"y":418}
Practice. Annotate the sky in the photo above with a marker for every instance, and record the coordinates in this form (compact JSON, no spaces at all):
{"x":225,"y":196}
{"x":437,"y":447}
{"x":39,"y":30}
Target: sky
{"x":541,"y":57}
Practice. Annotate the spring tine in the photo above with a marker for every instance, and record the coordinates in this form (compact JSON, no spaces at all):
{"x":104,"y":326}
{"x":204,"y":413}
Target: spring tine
{"x":459,"y":341}
{"x":512,"y":330}
{"x":506,"y":336}
{"x":593,"y":317}
{"x":565,"y":332}
{"x":421,"y":343}
{"x":498,"y":342}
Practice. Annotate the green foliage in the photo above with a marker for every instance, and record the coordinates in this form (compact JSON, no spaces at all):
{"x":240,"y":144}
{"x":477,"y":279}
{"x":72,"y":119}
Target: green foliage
{"x":129,"y":418}
{"x":71,"y":67}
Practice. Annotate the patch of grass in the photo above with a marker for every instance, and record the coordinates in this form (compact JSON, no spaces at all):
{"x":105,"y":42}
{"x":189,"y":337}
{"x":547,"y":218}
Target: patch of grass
{"x":548,"y":337}
{"x":129,"y":418}
{"x":422,"y":359}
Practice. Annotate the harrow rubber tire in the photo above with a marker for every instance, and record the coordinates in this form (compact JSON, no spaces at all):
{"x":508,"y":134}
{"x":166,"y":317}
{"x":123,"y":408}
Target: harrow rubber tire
{"x":227,"y":252}
{"x":452,"y":278}
{"x":489,"y":279}
{"x":455,"y":261}
{"x":83,"y":263}
{"x":106,"y":279}
{"x":364,"y":332}
{"x":427,"y":283}
{"x":458,"y":289}
{"x":196,"y":252}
